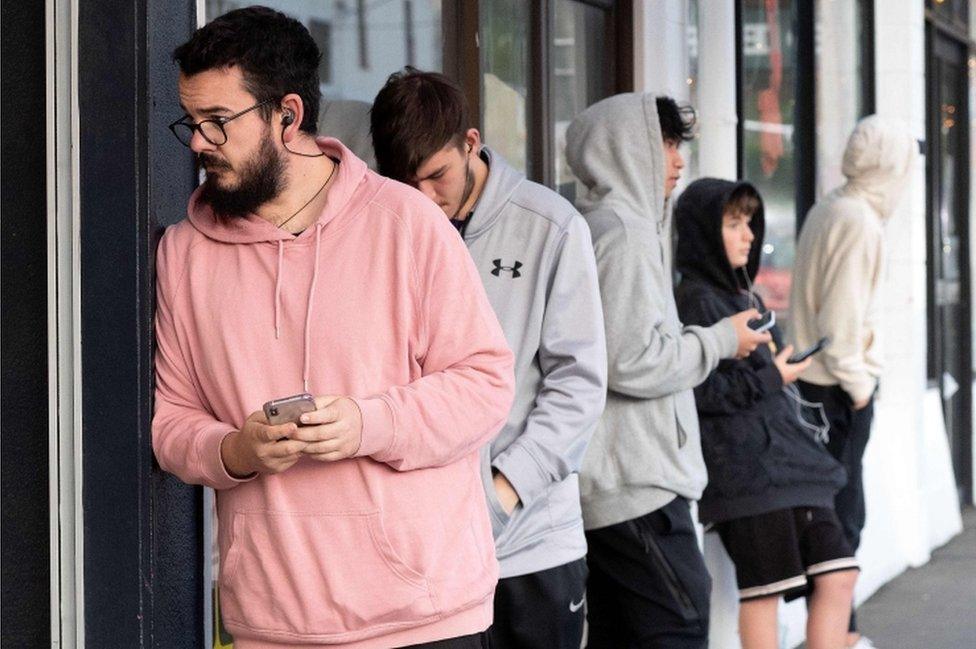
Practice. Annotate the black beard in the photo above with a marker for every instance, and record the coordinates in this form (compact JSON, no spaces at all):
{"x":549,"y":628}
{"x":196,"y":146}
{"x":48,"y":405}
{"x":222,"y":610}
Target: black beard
{"x":261,"y":180}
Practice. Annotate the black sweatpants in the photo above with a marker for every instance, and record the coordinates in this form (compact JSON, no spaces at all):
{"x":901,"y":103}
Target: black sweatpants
{"x":849,"y":432}
{"x":474,"y":641}
{"x":648,"y":586}
{"x":541,"y":610}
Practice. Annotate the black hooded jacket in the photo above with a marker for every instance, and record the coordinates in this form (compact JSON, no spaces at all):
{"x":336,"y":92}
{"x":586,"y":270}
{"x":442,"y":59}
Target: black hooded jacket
{"x":760,"y":457}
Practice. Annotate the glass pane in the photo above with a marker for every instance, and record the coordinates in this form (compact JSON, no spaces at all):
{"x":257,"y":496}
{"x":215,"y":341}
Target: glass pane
{"x":951,"y":139}
{"x":839,"y":85}
{"x":504,"y":37}
{"x":362,"y":42}
{"x":768,"y":98}
{"x":578,"y":59}
{"x":953,"y":11}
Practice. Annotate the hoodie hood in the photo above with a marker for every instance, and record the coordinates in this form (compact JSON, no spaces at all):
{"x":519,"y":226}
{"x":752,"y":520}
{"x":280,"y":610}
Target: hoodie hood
{"x":615,"y":149}
{"x":253,"y":229}
{"x":350,"y":172}
{"x":502,"y":181}
{"x":879,"y":156}
{"x":701,"y":248}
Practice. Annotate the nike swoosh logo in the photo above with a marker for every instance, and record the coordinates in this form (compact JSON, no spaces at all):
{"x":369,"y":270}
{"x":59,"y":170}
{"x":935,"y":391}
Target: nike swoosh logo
{"x":573,"y":606}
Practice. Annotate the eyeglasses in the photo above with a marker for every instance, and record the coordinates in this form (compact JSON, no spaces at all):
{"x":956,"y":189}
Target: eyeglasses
{"x":212,"y":130}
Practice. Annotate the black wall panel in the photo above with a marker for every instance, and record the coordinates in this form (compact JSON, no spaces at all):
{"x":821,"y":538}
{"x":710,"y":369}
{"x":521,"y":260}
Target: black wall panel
{"x":24,"y":438}
{"x":143,"y":528}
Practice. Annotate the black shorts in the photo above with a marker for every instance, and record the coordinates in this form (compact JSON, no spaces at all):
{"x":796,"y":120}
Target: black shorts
{"x":776,"y":553}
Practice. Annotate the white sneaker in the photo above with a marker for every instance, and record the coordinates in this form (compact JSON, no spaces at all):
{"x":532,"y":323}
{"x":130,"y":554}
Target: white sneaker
{"x":863,"y":643}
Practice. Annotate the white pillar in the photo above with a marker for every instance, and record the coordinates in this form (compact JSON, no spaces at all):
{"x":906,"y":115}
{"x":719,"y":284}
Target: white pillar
{"x":716,"y":89}
{"x":660,"y":47}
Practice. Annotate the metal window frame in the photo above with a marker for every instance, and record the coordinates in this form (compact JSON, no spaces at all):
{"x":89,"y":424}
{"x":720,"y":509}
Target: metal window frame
{"x":64,"y":328}
{"x":867,"y":33}
{"x":805,"y":112}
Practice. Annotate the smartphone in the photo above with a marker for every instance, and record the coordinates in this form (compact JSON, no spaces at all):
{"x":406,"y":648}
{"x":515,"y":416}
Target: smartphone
{"x":288,"y":409}
{"x":799,"y":357}
{"x":764,"y":321}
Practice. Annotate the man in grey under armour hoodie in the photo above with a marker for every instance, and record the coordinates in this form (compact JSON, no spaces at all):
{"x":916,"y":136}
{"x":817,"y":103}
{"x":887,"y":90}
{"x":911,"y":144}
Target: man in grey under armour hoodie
{"x":535,"y":256}
{"x":648,"y":584}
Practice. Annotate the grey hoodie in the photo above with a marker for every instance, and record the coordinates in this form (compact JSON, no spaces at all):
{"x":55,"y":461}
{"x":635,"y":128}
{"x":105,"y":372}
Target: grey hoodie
{"x":535,"y":257}
{"x":646,"y":449}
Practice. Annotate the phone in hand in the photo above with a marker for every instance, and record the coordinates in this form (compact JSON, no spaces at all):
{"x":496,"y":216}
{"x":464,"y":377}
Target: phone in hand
{"x":799,"y":357}
{"x":289,"y":409}
{"x":765,"y":321}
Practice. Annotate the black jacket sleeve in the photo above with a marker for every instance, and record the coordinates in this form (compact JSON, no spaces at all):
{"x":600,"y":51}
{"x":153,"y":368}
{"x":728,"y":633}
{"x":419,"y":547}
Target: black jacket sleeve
{"x":735,"y":385}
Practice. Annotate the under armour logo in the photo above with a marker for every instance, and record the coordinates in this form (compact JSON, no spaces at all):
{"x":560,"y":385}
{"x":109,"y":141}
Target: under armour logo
{"x":514,"y":270}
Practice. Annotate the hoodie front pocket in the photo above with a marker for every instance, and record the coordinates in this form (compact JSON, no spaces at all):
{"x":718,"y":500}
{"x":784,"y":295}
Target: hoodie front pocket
{"x":499,"y":517}
{"x":333,"y":576}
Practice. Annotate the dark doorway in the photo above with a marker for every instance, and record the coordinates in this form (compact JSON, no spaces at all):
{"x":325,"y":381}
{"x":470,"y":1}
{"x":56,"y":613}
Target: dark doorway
{"x":949,"y":302}
{"x":26,"y":576}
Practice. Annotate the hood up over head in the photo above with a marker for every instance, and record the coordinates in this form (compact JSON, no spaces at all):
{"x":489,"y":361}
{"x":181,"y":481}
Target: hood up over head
{"x":701,"y":249}
{"x":880,"y":154}
{"x":615,"y":149}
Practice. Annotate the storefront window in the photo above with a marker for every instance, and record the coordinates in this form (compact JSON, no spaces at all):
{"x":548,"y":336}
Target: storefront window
{"x":504,"y":37}
{"x":362,"y":42}
{"x":955,"y":12}
{"x":768,"y":72}
{"x":577,"y":62}
{"x":841,"y":99}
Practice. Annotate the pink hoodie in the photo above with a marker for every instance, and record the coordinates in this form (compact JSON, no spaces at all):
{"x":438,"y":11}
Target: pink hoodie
{"x":378,"y":300}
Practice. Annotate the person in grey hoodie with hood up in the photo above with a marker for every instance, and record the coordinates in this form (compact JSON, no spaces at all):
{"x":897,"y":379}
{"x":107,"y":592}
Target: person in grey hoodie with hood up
{"x":835,"y":293}
{"x":648,"y":583}
{"x":536,"y":260}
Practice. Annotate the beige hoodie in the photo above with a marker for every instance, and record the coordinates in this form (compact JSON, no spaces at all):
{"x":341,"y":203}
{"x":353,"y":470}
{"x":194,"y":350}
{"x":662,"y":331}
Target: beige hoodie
{"x":837,"y":272}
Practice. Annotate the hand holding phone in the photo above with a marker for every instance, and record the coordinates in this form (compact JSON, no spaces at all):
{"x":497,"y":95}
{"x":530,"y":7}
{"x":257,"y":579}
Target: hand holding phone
{"x":288,"y":410}
{"x":747,"y":338}
{"x":799,"y":357}
{"x":765,"y":321}
{"x":260,"y":447}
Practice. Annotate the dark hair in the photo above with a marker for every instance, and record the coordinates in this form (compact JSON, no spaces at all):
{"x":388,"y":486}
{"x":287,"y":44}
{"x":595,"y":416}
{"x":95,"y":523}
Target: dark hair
{"x":275,"y":53}
{"x":415,"y":115}
{"x":743,"y":200}
{"x":677,"y":123}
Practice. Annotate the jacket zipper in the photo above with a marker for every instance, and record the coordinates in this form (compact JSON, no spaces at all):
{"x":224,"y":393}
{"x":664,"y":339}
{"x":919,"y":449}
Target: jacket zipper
{"x":671,"y":578}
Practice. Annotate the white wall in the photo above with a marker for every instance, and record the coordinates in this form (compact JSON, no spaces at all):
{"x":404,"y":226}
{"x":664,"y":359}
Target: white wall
{"x":910,"y":490}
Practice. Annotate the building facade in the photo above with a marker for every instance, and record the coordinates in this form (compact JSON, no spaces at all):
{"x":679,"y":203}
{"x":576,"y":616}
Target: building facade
{"x":106,"y":550}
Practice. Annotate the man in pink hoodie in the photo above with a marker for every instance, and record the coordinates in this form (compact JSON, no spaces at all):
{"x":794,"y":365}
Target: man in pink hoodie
{"x":363,"y":525}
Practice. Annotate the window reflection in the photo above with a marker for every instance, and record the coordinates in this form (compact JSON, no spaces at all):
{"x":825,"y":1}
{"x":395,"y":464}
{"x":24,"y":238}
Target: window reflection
{"x":362,"y":41}
{"x":504,"y":37}
{"x":578,"y":57}
{"x":768,"y":99}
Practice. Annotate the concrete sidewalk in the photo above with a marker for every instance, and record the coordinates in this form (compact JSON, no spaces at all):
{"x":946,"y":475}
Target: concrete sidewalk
{"x":931,"y":607}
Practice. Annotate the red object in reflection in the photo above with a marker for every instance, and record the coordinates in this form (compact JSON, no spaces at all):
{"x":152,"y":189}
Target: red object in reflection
{"x":767,"y":102}
{"x":773,"y":285}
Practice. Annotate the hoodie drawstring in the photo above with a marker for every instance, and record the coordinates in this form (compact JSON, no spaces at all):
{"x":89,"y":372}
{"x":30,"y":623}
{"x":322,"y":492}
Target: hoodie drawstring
{"x":308,"y":311}
{"x":277,"y":295}
{"x":306,"y":357}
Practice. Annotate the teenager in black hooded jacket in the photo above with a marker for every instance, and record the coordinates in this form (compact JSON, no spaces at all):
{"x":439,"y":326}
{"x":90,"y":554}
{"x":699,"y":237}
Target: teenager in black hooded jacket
{"x":771,"y":481}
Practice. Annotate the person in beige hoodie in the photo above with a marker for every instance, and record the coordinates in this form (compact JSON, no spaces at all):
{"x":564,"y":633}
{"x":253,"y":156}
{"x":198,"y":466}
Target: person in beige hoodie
{"x":836,"y":285}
